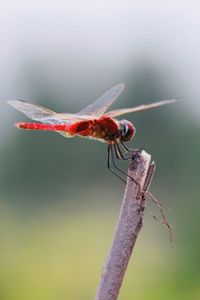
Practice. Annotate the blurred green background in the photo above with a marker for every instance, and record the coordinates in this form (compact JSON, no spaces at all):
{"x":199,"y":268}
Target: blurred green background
{"x":58,"y":203}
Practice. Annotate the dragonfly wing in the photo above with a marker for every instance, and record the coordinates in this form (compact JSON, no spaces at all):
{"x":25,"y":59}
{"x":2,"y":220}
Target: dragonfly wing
{"x":99,"y":106}
{"x":119,"y":112}
{"x":32,"y":111}
{"x":41,"y":114}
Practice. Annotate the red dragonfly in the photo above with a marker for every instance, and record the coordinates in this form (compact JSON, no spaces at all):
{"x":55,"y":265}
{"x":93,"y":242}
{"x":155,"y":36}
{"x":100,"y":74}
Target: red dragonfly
{"x":91,"y":122}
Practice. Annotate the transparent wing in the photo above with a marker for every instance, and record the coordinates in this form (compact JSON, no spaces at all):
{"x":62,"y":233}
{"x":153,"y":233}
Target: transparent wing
{"x":32,"y":111}
{"x":119,"y":112}
{"x":99,"y":106}
{"x":42,"y":114}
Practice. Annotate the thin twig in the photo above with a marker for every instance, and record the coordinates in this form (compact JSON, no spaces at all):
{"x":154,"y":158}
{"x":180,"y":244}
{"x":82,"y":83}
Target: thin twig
{"x":165,"y":221}
{"x":128,"y":227}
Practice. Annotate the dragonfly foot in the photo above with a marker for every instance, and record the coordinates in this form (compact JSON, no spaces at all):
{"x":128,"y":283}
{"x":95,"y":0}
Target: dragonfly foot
{"x":136,"y":154}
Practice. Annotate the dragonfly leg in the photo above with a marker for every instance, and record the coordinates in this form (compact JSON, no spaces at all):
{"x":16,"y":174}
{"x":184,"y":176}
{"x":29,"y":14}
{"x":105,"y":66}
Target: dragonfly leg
{"x":114,"y":164}
{"x":111,"y":154}
{"x":135,"y":152}
{"x":109,"y":163}
{"x":119,"y":153}
{"x":126,"y":148}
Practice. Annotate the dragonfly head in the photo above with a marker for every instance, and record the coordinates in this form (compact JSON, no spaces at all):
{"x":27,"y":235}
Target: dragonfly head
{"x":127,"y":130}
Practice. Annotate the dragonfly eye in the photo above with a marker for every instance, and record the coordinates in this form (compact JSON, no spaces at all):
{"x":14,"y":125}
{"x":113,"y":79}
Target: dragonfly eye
{"x":127,"y":130}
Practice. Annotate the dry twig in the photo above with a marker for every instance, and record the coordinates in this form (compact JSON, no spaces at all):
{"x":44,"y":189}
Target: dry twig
{"x":128,"y":227}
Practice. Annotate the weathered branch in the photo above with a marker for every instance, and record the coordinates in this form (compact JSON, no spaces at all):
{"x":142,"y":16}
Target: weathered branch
{"x":128,"y":227}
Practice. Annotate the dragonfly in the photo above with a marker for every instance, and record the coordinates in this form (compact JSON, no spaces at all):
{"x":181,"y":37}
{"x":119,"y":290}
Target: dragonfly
{"x":94,"y":122}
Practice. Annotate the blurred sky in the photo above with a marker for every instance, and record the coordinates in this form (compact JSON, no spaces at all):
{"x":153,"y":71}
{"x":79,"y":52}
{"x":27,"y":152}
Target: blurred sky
{"x":84,"y":47}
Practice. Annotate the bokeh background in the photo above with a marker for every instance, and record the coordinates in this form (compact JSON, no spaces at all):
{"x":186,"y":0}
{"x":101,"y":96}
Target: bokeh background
{"x":58,"y":203}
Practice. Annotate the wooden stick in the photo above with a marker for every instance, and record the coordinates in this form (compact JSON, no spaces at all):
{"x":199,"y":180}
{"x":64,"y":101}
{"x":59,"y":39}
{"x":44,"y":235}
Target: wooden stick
{"x":128,"y":227}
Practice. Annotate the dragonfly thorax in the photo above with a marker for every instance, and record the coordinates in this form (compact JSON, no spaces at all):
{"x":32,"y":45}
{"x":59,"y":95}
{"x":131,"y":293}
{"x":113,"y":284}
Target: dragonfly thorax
{"x":127,"y":130}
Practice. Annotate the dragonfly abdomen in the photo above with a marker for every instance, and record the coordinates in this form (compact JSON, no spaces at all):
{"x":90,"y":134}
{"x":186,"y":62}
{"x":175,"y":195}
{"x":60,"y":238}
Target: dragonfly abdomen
{"x":41,"y":126}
